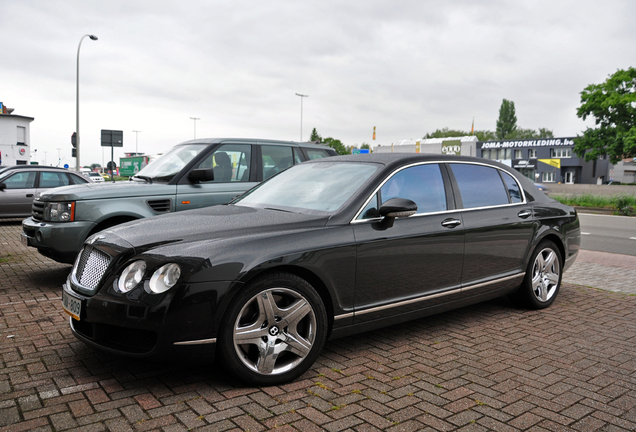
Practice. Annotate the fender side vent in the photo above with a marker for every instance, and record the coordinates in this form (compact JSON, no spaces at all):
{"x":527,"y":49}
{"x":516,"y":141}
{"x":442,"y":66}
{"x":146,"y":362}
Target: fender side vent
{"x":160,"y":206}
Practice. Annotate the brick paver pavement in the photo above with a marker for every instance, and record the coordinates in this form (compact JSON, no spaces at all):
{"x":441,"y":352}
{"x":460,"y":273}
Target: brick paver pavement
{"x":485,"y":367}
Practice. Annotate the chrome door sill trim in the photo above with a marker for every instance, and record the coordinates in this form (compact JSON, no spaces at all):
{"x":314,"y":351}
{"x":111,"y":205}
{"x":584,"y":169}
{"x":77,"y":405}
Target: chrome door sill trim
{"x":434,"y":296}
{"x":197,"y":342}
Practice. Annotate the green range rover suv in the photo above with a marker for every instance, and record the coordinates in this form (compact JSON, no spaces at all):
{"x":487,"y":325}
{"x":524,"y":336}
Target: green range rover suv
{"x":193,"y":174}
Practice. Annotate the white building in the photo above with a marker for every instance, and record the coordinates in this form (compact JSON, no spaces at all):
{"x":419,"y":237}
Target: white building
{"x":15,"y":139}
{"x":461,"y":146}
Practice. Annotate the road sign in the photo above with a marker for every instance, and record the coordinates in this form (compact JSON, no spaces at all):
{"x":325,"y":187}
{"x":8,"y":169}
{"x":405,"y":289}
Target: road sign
{"x":66,"y":166}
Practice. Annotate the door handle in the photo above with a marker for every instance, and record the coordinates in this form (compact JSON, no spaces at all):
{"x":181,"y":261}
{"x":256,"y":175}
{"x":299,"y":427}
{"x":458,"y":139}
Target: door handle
{"x":29,"y":196}
{"x":523,"y":214}
{"x":451,"y":223}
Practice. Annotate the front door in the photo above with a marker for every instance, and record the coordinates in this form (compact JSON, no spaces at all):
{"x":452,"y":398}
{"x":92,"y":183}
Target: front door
{"x":232,"y":167}
{"x":418,"y":260}
{"x":569,"y":177}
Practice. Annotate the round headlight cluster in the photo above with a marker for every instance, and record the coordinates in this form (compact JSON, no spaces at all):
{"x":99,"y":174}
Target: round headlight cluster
{"x":164,"y":278}
{"x":161,"y":281}
{"x":131,"y":276}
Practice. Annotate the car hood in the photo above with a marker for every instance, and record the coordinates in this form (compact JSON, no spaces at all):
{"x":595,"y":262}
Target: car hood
{"x":102,"y":190}
{"x":211,"y":223}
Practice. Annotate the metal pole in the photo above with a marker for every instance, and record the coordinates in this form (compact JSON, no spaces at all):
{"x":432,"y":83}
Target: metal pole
{"x":195,"y":125}
{"x":77,"y":128}
{"x":301,"y":114}
{"x":136,"y":141}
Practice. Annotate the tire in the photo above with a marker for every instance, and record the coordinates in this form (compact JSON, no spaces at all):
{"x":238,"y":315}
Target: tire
{"x":542,"y":282}
{"x":274,"y":330}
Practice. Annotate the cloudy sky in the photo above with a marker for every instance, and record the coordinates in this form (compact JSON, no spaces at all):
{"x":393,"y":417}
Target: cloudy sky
{"x":406,"y":67}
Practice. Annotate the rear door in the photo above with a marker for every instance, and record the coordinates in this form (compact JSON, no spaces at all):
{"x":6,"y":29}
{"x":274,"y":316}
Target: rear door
{"x":418,"y":261}
{"x":498,"y":226}
{"x":233,"y":174}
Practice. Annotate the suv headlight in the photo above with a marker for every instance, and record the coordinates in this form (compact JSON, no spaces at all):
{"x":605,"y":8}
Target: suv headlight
{"x":59,"y":212}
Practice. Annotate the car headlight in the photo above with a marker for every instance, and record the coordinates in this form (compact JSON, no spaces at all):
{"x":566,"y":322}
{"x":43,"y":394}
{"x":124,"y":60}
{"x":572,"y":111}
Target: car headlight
{"x":164,"y":278}
{"x":59,"y":212}
{"x":131,"y":276}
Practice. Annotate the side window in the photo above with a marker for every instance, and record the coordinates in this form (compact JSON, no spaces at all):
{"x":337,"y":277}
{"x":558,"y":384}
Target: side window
{"x":231,"y":163}
{"x":23,"y":180}
{"x":513,"y":188}
{"x":298,"y":158}
{"x":75,"y":179}
{"x":53,"y":179}
{"x":316,"y":153}
{"x":422,"y":184}
{"x":479,"y":186}
{"x":275,"y":159}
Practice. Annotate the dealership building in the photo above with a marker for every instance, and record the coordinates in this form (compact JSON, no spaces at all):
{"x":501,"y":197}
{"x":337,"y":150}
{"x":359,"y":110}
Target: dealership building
{"x":549,"y":160}
{"x":546,"y":160}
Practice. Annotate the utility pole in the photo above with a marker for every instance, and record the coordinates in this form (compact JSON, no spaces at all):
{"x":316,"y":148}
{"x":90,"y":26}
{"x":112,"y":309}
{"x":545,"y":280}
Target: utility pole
{"x":195,"y":125}
{"x":301,"y":114}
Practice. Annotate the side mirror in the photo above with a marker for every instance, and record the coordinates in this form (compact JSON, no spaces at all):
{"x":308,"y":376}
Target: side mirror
{"x":201,"y":175}
{"x":3,"y":186}
{"x":396,"y":208}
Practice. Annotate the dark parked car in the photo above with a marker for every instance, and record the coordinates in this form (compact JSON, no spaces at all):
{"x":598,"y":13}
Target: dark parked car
{"x":324,"y":249}
{"x":20,"y":184}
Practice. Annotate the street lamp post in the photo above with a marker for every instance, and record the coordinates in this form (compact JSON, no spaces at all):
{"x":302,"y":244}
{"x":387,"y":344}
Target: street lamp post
{"x":301,"y":113}
{"x":136,"y":141}
{"x":77,"y":128}
{"x":195,"y":125}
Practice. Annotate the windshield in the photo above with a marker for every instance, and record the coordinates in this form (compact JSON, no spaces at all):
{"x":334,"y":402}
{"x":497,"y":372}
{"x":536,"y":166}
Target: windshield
{"x":169,"y":165}
{"x":313,"y":186}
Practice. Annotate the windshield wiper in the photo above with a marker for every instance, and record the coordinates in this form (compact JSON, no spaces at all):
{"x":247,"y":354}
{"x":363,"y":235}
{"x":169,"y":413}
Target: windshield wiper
{"x":148,"y":179}
{"x":277,"y":209}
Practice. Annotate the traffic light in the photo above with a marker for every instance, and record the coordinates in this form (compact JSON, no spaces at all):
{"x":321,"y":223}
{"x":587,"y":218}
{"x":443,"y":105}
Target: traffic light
{"x":74,"y":139}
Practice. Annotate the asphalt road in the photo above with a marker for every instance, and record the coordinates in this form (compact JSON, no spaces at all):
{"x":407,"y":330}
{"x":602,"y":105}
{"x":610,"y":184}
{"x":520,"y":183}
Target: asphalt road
{"x":604,"y":233}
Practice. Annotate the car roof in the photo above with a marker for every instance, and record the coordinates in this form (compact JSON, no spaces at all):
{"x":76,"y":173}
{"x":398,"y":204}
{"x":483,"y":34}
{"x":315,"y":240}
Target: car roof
{"x":254,"y":141}
{"x":402,"y":158}
{"x":41,"y":167}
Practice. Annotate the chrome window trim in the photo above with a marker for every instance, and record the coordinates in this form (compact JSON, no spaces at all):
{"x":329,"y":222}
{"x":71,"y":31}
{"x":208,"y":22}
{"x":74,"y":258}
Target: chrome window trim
{"x":355,"y":219}
{"x":434,"y":296}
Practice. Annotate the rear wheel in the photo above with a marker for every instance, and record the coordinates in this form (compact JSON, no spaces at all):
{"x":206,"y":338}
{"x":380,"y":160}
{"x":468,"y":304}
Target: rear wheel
{"x":542,"y":282}
{"x":274,"y":330}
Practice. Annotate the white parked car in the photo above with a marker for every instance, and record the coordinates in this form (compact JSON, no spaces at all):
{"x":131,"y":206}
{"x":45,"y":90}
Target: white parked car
{"x":95,"y":177}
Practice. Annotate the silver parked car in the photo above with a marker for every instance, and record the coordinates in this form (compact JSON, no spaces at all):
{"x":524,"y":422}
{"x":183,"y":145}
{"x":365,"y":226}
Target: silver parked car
{"x":20,"y":184}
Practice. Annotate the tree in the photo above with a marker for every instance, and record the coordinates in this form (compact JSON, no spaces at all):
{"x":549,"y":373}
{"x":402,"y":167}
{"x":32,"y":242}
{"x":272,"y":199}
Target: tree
{"x":337,"y":145}
{"x":521,"y":133}
{"x":314,"y":137}
{"x":613,"y":107}
{"x":507,"y":122}
{"x":484,"y":135}
{"x":365,"y":146}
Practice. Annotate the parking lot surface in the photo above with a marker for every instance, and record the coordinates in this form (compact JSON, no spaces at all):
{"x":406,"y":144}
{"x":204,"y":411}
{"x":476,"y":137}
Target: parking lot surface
{"x":486,"y":367}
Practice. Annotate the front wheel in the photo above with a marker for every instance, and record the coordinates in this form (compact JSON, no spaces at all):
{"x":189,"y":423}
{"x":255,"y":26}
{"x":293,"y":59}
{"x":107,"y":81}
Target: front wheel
{"x":543,"y":278}
{"x":274,"y":330}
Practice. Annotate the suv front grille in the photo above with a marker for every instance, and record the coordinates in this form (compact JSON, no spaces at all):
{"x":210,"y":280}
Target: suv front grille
{"x":160,"y":206}
{"x":37,"y":210}
{"x":91,"y":267}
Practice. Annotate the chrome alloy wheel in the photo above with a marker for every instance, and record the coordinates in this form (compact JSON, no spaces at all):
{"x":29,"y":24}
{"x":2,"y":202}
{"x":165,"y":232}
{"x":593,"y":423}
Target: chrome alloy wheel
{"x":546,"y":274}
{"x":274,"y":331}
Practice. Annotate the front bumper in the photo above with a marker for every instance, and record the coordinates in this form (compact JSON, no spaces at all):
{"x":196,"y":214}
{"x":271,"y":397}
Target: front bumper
{"x":58,"y":241}
{"x":176,"y":326}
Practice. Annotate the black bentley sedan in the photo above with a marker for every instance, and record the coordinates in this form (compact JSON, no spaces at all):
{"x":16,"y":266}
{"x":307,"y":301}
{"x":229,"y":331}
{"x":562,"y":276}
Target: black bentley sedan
{"x":324,"y":249}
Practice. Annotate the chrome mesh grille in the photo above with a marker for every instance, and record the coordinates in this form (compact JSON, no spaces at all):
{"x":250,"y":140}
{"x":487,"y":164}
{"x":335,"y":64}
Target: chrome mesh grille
{"x":91,"y":266}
